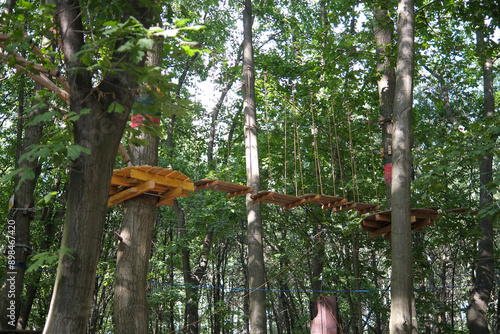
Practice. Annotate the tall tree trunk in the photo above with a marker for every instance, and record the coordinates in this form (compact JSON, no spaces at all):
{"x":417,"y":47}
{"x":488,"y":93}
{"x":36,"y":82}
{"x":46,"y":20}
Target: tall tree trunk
{"x":49,"y":219}
{"x":403,"y":315}
{"x":256,"y":269}
{"x":98,"y":131}
{"x":215,"y":115}
{"x":477,"y":313}
{"x":190,"y":279}
{"x":19,"y":225}
{"x":317,"y":264}
{"x":134,"y":250}
{"x":383,"y":29}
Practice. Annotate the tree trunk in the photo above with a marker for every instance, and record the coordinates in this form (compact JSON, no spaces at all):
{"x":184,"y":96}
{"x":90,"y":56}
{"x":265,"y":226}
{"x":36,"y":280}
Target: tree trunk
{"x":477,"y":313}
{"x":403,"y":316}
{"x":134,"y":250}
{"x":256,"y":269}
{"x":98,"y":131}
{"x":51,"y":217}
{"x":383,"y":29}
{"x":19,"y":227}
{"x":317,"y":264}
{"x":215,"y":114}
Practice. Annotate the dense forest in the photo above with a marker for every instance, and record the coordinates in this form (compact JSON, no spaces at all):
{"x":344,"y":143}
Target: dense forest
{"x":359,"y":141}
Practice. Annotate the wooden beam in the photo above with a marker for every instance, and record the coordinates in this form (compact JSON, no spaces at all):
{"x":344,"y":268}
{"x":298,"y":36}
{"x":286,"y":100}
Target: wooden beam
{"x":381,"y":217}
{"x":241,"y":192}
{"x":373,"y":223}
{"x":261,"y":198}
{"x":208,"y":185}
{"x":334,"y":204}
{"x":347,"y":206}
{"x":369,"y":209}
{"x":162,"y":180}
{"x":130,"y":193}
{"x":425,"y":215}
{"x":380,"y":231}
{"x":369,"y":228}
{"x":294,"y":204}
{"x":422,"y":223}
{"x":168,"y":196}
{"x":117,"y":180}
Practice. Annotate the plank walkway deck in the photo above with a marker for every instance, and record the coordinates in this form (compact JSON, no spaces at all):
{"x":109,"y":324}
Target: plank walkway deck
{"x":166,"y":184}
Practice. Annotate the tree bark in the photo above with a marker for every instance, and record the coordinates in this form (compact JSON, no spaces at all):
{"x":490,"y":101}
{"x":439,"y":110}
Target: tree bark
{"x":100,"y":132}
{"x":19,"y":224}
{"x":477,"y":313}
{"x":51,"y":217}
{"x":134,"y":250}
{"x":403,"y":317}
{"x":256,"y":269}
{"x":383,"y":29}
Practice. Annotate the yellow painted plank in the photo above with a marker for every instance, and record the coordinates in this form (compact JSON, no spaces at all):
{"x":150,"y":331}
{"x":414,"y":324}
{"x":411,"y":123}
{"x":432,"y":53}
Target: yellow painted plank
{"x":130,"y":193}
{"x":117,"y":180}
{"x":162,"y":180}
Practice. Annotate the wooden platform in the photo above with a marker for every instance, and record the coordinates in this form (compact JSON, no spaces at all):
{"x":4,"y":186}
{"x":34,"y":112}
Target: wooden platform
{"x":232,"y":189}
{"x":288,"y":201}
{"x":164,"y":183}
{"x":380,"y":223}
{"x":325,"y":201}
{"x":361,"y":208}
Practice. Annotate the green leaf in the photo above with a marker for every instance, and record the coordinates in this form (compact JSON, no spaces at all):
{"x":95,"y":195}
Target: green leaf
{"x":74,"y":151}
{"x":145,"y":43}
{"x":9,"y":176}
{"x":116,"y":107}
{"x":46,"y":199}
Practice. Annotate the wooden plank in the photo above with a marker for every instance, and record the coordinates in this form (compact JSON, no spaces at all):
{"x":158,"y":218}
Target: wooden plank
{"x":382,"y":217}
{"x":241,"y":192}
{"x":165,"y":172}
{"x":368,"y":208}
{"x":232,"y":189}
{"x":344,"y":207}
{"x":168,"y":196}
{"x":422,"y":223}
{"x":372,"y":223}
{"x":113,"y":190}
{"x":204,"y":185}
{"x":164,"y":181}
{"x":369,"y":228}
{"x":334,"y":204}
{"x":425,"y":213}
{"x":117,"y":180}
{"x":274,"y":198}
{"x":130,"y":193}
{"x":261,"y":196}
{"x":155,"y":170}
{"x":381,"y":231}
{"x":295,"y":204}
{"x":122,"y":172}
